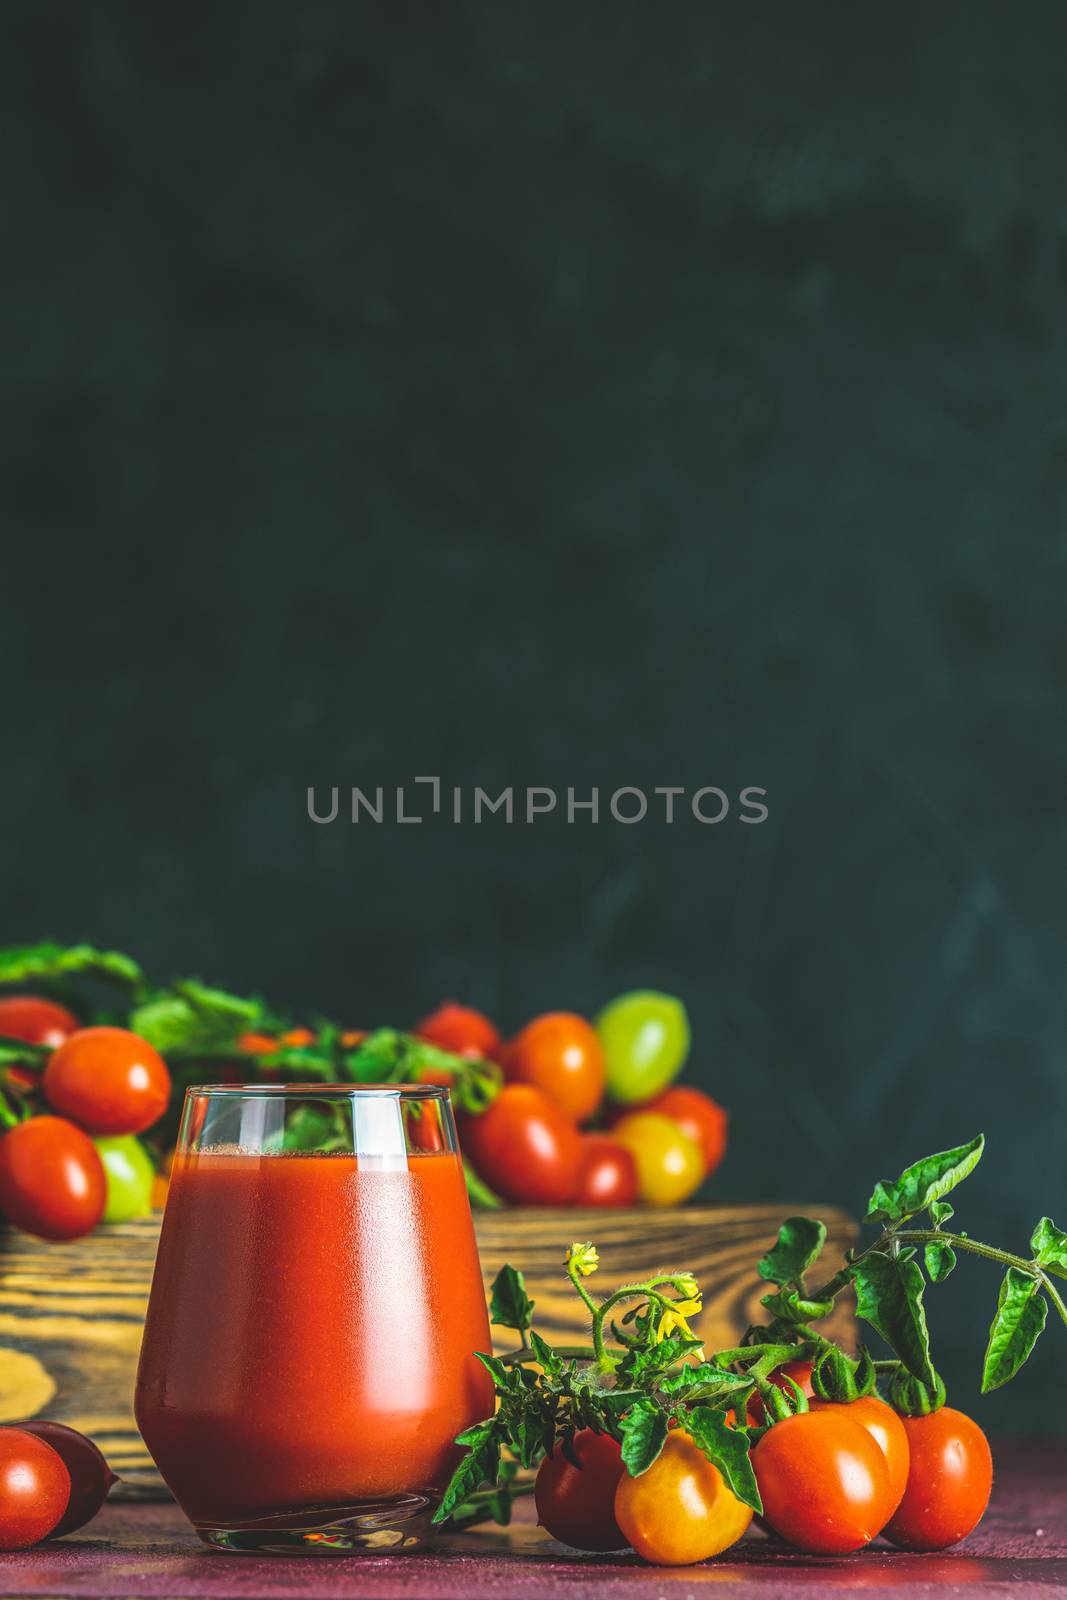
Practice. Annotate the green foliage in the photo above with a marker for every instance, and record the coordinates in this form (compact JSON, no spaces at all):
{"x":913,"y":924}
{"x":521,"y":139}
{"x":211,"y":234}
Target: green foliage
{"x":1049,"y":1245}
{"x":40,"y":963}
{"x":727,"y":1448}
{"x":800,"y":1240}
{"x":1020,"y":1317}
{"x":644,"y":1433}
{"x":940,"y":1259}
{"x":923,"y":1183}
{"x":510,"y":1306}
{"x":889,"y":1295}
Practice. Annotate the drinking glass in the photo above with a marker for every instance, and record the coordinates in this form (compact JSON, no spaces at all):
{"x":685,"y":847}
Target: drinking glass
{"x":308,"y":1350}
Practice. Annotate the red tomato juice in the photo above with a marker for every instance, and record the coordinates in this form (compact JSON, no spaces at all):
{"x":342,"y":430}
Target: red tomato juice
{"x":310,"y":1335}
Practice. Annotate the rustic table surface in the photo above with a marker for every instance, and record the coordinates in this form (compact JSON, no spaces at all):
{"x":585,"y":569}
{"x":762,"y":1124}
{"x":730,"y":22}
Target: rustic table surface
{"x":143,"y":1550}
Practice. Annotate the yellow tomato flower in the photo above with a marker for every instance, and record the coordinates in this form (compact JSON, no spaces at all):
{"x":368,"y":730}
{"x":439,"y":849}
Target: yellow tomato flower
{"x":674,"y":1317}
{"x":583,"y":1258}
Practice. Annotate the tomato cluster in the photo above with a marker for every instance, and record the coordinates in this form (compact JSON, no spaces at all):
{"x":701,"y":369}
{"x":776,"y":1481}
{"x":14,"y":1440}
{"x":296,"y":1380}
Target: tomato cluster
{"x":831,"y":1479}
{"x":53,"y":1480}
{"x":75,"y":1160}
{"x":587,"y":1114}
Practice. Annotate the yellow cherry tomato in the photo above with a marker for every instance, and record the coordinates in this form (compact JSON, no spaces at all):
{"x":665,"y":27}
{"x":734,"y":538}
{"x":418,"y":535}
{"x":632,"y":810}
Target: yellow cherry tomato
{"x":670,"y":1165}
{"x":680,"y":1510}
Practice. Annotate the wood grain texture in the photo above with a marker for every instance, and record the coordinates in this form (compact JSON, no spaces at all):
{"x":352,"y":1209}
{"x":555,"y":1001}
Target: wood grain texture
{"x":71,"y":1314}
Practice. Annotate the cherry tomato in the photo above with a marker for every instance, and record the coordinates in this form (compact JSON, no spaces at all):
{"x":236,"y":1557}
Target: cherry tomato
{"x":607,"y":1173}
{"x":108,"y":1081}
{"x":698,"y":1115}
{"x":679,"y":1510}
{"x":560,"y":1054}
{"x":52,"y":1180}
{"x":525,"y":1147}
{"x":257,"y":1044}
{"x":461,"y":1030}
{"x":645,"y":1039}
{"x":34,"y":1489}
{"x":90,"y":1475}
{"x":823,"y":1481}
{"x":34,"y":1021}
{"x":799,"y":1371}
{"x":669,"y":1164}
{"x":130,"y":1177}
{"x":577,"y":1503}
{"x":297,"y":1039}
{"x":885,"y":1427}
{"x":949,"y":1480}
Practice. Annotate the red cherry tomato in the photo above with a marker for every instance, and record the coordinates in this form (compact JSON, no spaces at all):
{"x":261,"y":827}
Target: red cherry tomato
{"x":577,"y":1503}
{"x":886,"y":1428}
{"x":607,"y":1173}
{"x":34,"y":1489}
{"x":560,"y":1054}
{"x":257,"y":1044}
{"x":52,"y":1181}
{"x":525,"y":1147}
{"x":698,"y":1115}
{"x":462,"y":1031}
{"x":34,"y":1021}
{"x":823,"y":1481}
{"x":108,"y":1081}
{"x":90,"y":1475}
{"x":949,"y":1480}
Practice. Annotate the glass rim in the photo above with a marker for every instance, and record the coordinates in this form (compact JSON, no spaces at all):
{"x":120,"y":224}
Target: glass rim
{"x":318,"y":1091}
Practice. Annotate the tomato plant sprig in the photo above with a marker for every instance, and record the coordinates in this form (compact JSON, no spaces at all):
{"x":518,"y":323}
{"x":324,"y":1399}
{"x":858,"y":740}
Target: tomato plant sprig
{"x":645,"y":1371}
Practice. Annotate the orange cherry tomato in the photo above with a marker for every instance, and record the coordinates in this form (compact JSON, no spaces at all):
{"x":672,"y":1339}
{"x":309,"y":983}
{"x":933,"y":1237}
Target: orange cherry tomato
{"x":34,"y":1489}
{"x":679,"y":1510}
{"x":607,"y":1173}
{"x":887,"y":1430}
{"x":823,"y":1481}
{"x":108,"y":1081}
{"x":257,"y":1044}
{"x":949,"y":1480}
{"x":576,"y":1504}
{"x":35,"y":1021}
{"x":525,"y":1147}
{"x":462,"y":1031}
{"x":560,"y":1054}
{"x":670,"y":1165}
{"x":698,"y":1115}
{"x":52,"y":1180}
{"x":297,"y":1038}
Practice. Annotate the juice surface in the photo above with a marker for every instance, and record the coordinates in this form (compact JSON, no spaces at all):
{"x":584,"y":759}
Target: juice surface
{"x":310,"y":1333}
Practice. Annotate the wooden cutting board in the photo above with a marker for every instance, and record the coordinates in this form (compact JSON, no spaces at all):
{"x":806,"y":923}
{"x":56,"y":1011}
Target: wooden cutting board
{"x":71,"y":1314}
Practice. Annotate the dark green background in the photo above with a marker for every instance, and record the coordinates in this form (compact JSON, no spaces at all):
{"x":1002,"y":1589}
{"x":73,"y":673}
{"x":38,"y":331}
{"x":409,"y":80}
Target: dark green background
{"x":589,"y":394}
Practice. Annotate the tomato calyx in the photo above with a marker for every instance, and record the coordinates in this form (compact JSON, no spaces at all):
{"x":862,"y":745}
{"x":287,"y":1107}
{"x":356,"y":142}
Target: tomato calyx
{"x":913,"y":1398}
{"x":838,"y":1379}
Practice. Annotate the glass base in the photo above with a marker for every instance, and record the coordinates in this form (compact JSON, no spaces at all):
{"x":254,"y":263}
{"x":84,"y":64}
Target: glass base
{"x":396,"y":1522}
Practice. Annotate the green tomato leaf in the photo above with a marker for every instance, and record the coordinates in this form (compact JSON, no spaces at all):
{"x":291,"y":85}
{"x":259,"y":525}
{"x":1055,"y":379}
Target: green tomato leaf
{"x":925,"y":1181}
{"x":889,"y":1295}
{"x":727,"y":1449}
{"x":30,"y":963}
{"x":940,"y":1259}
{"x":792,"y":1308}
{"x":639,"y":1366}
{"x":703,"y":1382}
{"x":510,"y":1306}
{"x":1021,"y":1313}
{"x":549,"y":1361}
{"x":940,"y":1211}
{"x":479,"y":1465}
{"x":800,"y":1240}
{"x":644,"y":1431}
{"x":1049,"y":1245}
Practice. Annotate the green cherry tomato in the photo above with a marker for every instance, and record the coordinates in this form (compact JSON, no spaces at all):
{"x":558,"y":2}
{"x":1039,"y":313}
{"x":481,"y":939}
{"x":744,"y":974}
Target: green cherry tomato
{"x":130,"y":1175}
{"x":645,"y":1039}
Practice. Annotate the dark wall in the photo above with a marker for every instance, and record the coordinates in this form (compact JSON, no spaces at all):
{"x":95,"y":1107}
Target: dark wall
{"x":587,"y":395}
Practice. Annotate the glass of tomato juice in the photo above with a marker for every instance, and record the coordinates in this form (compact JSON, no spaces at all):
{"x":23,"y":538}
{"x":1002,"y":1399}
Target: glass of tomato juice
{"x":308,"y":1350}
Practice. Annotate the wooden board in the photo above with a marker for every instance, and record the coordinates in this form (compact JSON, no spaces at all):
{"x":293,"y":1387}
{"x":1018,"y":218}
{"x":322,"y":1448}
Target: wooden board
{"x":71,"y":1314}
